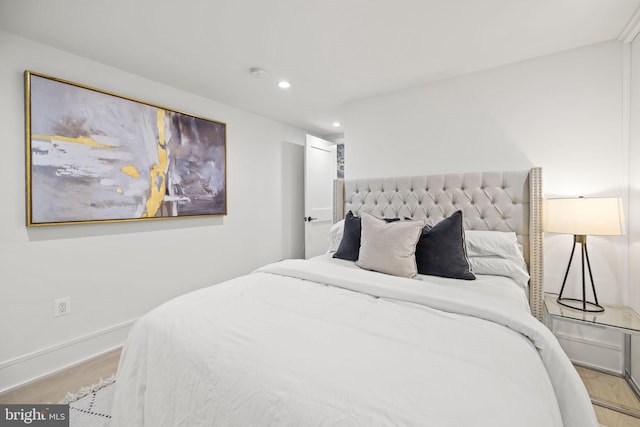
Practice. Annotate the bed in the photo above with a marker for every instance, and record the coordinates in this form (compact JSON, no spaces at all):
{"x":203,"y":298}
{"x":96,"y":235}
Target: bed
{"x":435,"y":323}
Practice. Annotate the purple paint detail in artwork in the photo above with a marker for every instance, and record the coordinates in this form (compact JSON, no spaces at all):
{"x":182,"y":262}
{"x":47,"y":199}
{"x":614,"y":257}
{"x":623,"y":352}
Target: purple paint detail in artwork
{"x":74,"y":181}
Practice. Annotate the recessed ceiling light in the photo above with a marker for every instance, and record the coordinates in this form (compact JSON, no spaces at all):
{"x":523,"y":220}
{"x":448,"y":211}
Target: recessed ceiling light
{"x":337,"y":124}
{"x":283,"y":84}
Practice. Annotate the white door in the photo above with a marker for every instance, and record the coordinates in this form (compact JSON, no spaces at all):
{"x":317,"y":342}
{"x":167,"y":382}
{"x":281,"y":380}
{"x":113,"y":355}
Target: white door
{"x":320,"y":169}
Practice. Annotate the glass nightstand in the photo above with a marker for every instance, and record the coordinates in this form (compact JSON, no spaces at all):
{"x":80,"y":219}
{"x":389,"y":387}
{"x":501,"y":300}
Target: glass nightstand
{"x":616,"y":318}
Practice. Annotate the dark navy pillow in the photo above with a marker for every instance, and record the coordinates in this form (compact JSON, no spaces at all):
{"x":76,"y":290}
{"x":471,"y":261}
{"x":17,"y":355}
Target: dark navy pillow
{"x":349,"y":247}
{"x":441,"y":250}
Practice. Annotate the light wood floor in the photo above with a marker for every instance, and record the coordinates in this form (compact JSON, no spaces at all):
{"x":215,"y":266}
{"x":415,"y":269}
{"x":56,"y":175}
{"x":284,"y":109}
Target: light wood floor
{"x":611,"y":389}
{"x":53,"y":388}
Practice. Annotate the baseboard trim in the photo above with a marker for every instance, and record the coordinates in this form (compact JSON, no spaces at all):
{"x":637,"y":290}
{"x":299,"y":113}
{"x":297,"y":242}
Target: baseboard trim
{"x":30,"y":367}
{"x":599,"y":369}
{"x":61,"y":370}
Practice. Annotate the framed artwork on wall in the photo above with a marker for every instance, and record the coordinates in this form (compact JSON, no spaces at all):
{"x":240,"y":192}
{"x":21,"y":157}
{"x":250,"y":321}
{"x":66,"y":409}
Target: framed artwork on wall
{"x":94,"y":156}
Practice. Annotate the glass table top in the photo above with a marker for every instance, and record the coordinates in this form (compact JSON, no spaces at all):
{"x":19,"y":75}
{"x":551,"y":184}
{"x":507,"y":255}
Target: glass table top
{"x":614,"y":316}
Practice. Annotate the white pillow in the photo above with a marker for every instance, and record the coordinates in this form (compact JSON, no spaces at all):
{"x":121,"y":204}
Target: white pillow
{"x":389,"y":247}
{"x":497,"y":266}
{"x":504,"y":244}
{"x":335,"y":235}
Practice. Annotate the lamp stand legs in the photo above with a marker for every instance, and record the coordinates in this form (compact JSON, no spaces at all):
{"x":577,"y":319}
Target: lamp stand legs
{"x":580,"y":304}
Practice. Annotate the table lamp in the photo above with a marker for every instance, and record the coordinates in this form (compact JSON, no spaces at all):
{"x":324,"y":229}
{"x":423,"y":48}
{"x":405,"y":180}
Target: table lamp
{"x":580,"y":216}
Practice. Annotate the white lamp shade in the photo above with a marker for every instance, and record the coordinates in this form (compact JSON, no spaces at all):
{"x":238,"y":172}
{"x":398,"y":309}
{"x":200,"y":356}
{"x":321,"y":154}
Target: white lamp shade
{"x":597,"y":216}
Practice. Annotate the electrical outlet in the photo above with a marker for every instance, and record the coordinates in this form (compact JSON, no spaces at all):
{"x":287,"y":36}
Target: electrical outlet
{"x":61,"y":306}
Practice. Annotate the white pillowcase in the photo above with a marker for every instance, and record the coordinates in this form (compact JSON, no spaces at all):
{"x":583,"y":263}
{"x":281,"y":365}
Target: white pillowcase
{"x":503,"y":244}
{"x":389,"y":247}
{"x":335,"y":235}
{"x":496,"y":266}
{"x":496,"y":253}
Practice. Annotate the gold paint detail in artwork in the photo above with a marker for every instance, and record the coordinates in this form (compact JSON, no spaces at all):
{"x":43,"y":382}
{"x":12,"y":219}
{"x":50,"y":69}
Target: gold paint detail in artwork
{"x":130,"y":170}
{"x":84,"y":140}
{"x":157,"y":172}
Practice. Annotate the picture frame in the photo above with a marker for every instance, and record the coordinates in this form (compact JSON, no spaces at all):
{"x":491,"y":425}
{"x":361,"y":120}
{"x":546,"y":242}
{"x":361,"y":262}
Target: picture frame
{"x":95,"y":156}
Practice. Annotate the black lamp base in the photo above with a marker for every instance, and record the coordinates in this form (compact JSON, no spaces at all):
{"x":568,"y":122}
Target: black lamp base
{"x":574,"y":303}
{"x":578,"y":304}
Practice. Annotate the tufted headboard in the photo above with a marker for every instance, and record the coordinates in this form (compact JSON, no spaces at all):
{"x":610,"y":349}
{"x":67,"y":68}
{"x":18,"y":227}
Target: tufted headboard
{"x":500,"y":201}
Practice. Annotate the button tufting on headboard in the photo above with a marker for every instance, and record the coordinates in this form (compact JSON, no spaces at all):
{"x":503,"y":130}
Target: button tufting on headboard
{"x":500,"y":201}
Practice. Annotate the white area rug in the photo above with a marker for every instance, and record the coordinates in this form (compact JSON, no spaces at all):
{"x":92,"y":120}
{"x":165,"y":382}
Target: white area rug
{"x":91,"y":406}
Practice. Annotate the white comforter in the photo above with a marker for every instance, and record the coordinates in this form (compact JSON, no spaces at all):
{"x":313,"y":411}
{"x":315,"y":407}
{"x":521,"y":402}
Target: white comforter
{"x":281,"y":348}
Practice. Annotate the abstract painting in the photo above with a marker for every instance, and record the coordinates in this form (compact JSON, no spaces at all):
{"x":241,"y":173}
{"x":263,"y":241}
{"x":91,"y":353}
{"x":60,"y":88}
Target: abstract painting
{"x":95,"y":156}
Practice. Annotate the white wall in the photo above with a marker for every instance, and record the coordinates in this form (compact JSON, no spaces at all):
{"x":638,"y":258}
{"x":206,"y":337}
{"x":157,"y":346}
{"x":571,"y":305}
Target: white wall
{"x":562,"y":112}
{"x":634,"y":195}
{"x":116,"y":272}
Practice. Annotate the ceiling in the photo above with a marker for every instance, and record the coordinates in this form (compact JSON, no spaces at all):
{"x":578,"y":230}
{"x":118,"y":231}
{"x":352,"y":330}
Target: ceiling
{"x":332,"y":51}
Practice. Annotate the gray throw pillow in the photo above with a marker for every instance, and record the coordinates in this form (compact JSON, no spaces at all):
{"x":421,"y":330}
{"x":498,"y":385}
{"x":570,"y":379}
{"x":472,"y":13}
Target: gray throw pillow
{"x":349,"y":247}
{"x":389,"y":247}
